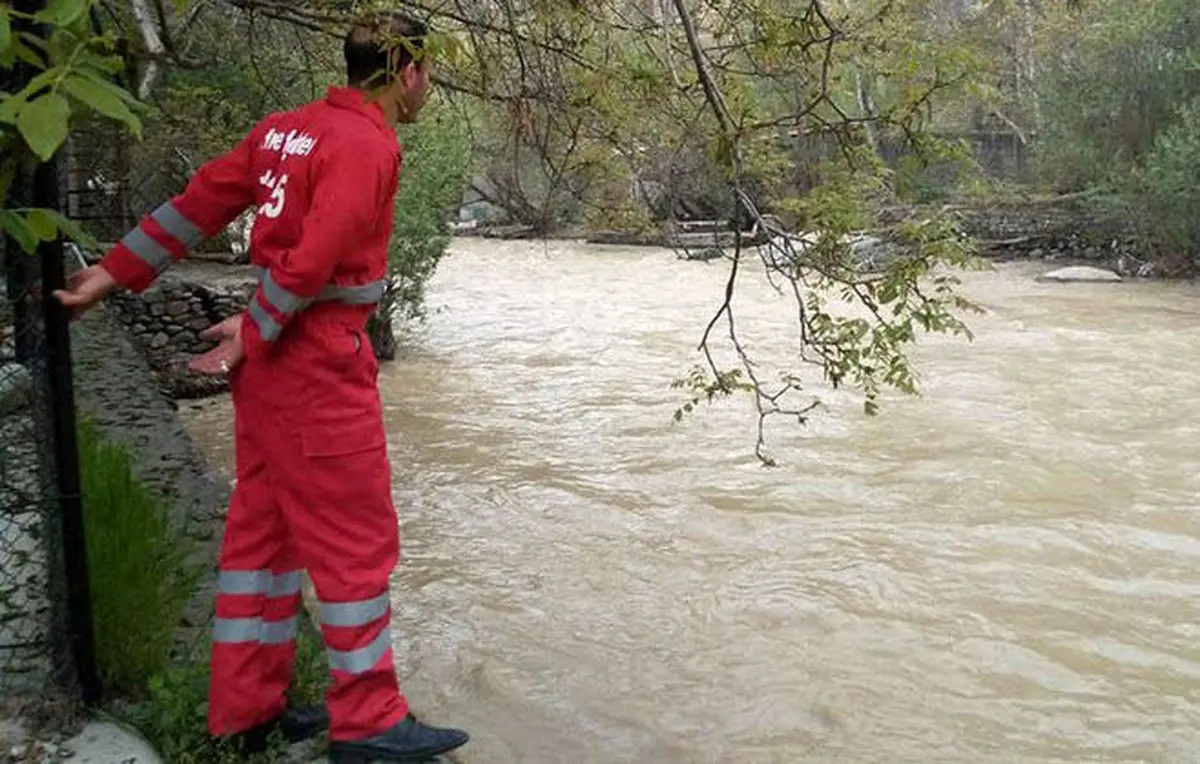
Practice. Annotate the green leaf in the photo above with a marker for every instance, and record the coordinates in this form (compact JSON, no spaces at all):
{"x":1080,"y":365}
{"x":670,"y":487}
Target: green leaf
{"x":43,"y":225}
{"x":43,"y":123}
{"x":10,"y":106}
{"x":121,"y":93}
{"x":28,"y":55}
{"x":64,"y":12}
{"x":105,"y":63}
{"x":18,"y":228}
{"x":5,"y":27}
{"x":42,"y":81}
{"x":70,"y":229}
{"x":102,"y":99}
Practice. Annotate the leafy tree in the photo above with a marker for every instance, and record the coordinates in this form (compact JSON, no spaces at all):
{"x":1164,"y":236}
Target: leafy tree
{"x":766,"y":112}
{"x":70,"y":70}
{"x":437,"y":157}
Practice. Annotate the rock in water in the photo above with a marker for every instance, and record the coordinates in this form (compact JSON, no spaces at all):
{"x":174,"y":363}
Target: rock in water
{"x":871,"y":254}
{"x":704,"y":255}
{"x":1083,"y":273}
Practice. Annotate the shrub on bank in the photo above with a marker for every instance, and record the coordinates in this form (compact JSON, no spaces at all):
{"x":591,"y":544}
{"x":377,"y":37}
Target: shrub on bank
{"x":1164,"y":190}
{"x":1120,"y":117}
{"x":173,"y":715}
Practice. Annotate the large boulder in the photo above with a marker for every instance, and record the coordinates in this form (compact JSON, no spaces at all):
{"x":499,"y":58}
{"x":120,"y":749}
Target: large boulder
{"x":1080,"y":273}
{"x":871,"y":253}
{"x":103,"y":741}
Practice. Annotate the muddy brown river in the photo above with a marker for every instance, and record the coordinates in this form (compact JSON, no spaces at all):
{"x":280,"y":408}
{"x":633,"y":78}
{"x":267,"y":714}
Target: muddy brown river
{"x":1004,"y":569}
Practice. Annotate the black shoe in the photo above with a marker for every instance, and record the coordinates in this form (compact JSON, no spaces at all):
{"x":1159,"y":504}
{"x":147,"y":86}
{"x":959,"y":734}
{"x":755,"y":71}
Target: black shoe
{"x":295,"y":725}
{"x":407,"y":741}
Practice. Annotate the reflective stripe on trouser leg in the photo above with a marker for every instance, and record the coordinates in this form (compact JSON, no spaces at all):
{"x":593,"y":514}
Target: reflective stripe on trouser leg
{"x":271,"y":636}
{"x":280,"y":608}
{"x":361,"y":652}
{"x":339,"y":509}
{"x":257,"y":601}
{"x":254,"y":645}
{"x":358,"y":638}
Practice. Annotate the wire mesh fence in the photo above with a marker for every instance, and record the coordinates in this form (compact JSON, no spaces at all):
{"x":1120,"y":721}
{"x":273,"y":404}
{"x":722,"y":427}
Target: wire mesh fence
{"x":44,"y":633}
{"x":27,"y":493}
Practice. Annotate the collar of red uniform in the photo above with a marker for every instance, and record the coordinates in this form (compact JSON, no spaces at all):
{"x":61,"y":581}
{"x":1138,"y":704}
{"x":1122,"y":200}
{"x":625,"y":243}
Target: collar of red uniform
{"x":355,"y":100}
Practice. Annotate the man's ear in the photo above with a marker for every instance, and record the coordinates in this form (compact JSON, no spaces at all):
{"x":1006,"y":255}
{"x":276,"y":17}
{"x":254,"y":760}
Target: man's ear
{"x":408,"y":75}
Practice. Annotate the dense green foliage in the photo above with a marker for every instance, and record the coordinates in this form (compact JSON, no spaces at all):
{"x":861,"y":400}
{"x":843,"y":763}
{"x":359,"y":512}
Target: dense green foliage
{"x":1119,"y":97}
{"x":437,"y":157}
{"x":70,"y":69}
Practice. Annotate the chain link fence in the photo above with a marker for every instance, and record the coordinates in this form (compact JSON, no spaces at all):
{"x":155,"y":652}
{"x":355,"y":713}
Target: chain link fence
{"x":45,"y":626}
{"x":26,"y":495}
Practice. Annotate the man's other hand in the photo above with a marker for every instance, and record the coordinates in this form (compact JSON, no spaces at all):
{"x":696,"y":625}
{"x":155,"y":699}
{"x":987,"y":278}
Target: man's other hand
{"x":85,"y":288}
{"x":228,"y":353}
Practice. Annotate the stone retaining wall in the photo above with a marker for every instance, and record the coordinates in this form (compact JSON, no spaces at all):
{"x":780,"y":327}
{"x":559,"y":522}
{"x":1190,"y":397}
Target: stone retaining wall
{"x":166,"y":320}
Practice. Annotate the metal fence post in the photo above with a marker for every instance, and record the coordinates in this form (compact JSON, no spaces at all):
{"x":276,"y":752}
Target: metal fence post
{"x":61,"y":389}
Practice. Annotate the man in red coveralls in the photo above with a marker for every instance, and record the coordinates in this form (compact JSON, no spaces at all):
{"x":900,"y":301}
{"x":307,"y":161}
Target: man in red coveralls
{"x":313,"y":483}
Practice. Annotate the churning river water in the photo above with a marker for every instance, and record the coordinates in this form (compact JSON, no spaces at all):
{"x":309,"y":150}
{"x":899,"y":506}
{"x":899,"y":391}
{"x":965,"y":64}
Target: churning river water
{"x":1006,"y":568}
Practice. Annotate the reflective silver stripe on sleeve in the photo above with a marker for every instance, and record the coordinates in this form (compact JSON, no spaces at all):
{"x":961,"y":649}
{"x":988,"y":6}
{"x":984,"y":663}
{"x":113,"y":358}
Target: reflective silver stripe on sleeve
{"x":281,"y":299}
{"x":174,"y":223}
{"x":148,"y":250}
{"x":362,"y":660}
{"x":241,"y":630}
{"x":268,"y":327}
{"x":258,"y":582}
{"x":358,"y":613}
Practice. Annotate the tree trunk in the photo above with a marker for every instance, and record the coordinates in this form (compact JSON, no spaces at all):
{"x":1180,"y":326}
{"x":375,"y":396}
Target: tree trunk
{"x":148,"y":25}
{"x":866,"y":109}
{"x":382,"y":336}
{"x":1026,"y":63}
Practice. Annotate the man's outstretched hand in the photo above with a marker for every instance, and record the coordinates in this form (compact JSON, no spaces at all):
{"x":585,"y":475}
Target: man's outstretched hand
{"x":228,"y":353}
{"x":85,"y":288}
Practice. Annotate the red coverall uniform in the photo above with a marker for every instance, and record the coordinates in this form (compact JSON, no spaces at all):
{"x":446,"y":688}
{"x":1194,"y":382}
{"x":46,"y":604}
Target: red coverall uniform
{"x":313,"y":484}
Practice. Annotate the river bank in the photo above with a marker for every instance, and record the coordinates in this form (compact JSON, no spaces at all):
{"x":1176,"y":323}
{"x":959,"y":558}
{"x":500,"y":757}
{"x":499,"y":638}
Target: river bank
{"x":1065,"y":230}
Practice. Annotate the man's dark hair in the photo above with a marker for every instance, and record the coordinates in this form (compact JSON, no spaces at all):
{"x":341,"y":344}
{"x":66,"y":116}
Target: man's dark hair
{"x":381,"y":45}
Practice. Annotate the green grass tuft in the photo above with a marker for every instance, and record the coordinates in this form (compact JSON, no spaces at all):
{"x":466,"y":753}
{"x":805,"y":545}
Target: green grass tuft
{"x":138,"y":566}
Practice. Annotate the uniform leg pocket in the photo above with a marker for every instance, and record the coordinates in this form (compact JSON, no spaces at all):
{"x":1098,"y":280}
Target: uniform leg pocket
{"x":339,"y":504}
{"x":342,"y":439}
